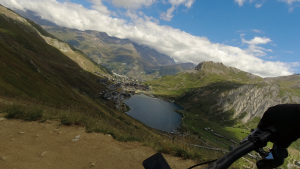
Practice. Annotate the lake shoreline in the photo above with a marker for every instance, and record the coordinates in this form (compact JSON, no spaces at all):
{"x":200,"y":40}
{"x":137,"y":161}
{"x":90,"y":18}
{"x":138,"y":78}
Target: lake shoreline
{"x":182,"y":127}
{"x":155,"y":112}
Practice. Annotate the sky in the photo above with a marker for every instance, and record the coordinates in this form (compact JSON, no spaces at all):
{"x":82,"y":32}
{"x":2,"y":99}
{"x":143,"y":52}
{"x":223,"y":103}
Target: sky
{"x":258,"y":36}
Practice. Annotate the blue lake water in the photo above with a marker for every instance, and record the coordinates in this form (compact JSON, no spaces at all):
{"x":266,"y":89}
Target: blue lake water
{"x":154,"y":112}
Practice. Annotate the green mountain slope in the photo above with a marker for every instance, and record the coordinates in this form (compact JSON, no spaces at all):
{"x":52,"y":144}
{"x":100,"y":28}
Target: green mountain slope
{"x":224,"y":98}
{"x":31,"y":68}
{"x":213,"y":88}
{"x":39,"y":82}
{"x":76,"y":55}
{"x":204,"y":74}
{"x":119,"y":55}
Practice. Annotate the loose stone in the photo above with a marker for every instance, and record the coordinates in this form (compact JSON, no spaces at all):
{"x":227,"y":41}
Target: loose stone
{"x":76,"y":138}
{"x":92,"y":165}
{"x":43,"y":153}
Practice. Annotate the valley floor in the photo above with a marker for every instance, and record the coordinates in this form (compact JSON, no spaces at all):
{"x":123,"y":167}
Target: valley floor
{"x":49,"y":145}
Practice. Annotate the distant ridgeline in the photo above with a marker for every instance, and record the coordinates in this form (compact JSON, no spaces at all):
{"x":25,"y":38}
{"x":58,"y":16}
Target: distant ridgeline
{"x":225,"y":94}
{"x":34,"y":64}
{"x":121,"y":56}
{"x":43,"y":78}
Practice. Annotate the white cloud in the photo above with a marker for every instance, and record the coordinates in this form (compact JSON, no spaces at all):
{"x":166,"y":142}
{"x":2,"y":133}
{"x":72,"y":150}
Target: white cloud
{"x":181,"y":46}
{"x":240,"y":2}
{"x":167,"y":16}
{"x":98,"y":6}
{"x":295,"y":64}
{"x":290,"y":2}
{"x":258,"y":5}
{"x":257,"y":31}
{"x":175,"y":3}
{"x":257,"y":41}
{"x":291,"y":8}
{"x":132,"y":3}
{"x":256,"y":50}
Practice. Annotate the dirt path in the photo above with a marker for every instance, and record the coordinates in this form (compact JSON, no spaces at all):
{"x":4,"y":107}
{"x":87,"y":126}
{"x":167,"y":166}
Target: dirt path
{"x":48,"y":145}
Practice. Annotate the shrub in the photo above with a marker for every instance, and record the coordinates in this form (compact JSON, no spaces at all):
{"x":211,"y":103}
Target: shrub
{"x":14,"y":111}
{"x":65,"y":119}
{"x":33,"y":115}
{"x":17,"y":112}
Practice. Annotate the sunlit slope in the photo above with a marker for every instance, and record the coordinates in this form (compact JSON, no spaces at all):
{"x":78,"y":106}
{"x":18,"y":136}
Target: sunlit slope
{"x":207,"y":74}
{"x":30,"y":68}
{"x":226,"y":95}
{"x":120,"y":55}
{"x":226,"y":99}
{"x":39,"y":82}
{"x":76,"y":55}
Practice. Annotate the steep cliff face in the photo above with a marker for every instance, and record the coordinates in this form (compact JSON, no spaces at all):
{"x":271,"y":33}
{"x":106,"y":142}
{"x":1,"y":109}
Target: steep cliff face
{"x":33,"y":70}
{"x":226,"y":94}
{"x":253,"y":100}
{"x":121,"y":56}
{"x":219,"y":68}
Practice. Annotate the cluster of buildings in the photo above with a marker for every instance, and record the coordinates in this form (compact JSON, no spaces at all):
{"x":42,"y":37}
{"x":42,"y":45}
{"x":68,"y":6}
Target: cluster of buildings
{"x":121,"y":88}
{"x":114,"y":95}
{"x":132,"y":86}
{"x":129,"y":87}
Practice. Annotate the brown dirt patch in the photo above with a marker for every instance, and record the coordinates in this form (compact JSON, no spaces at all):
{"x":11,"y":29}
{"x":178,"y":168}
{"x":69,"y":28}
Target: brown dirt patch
{"x":48,"y":145}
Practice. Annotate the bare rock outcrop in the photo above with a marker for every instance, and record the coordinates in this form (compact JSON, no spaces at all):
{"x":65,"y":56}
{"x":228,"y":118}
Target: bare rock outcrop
{"x":254,"y":100}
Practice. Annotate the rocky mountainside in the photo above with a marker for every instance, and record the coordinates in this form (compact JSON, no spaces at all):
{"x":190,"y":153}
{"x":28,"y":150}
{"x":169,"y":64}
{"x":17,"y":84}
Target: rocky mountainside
{"x":225,"y":94}
{"x":33,"y":69}
{"x":121,"y":56}
{"x":38,"y":82}
{"x":253,"y":100}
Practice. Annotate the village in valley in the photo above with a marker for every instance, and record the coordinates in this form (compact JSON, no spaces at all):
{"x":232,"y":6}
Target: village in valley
{"x":120,"y":88}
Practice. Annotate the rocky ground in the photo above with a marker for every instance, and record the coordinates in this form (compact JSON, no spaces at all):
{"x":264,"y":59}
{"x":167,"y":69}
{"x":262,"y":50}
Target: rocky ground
{"x":49,"y":145}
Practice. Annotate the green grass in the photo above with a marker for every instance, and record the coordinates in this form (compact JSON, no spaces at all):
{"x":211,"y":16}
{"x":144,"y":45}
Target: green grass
{"x":197,"y":123}
{"x":17,"y":112}
{"x":114,"y":124}
{"x":69,"y":93}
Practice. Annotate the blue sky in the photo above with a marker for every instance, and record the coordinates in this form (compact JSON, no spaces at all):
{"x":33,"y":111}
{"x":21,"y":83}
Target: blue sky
{"x":257,"y":36}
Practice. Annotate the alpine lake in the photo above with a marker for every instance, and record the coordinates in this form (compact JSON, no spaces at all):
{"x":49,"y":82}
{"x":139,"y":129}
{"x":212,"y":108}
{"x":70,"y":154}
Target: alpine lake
{"x":155,"y":113}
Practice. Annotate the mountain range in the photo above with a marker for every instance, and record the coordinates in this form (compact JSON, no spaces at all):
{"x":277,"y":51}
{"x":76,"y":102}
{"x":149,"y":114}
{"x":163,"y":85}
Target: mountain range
{"x":122,"y":56}
{"x":33,"y":68}
{"x":225,"y":98}
{"x":60,"y":75}
{"x":225,"y":94}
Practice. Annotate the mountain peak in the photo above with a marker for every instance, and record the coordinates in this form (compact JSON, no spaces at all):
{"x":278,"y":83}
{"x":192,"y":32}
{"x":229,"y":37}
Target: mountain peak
{"x":220,"y":68}
{"x":209,"y":64}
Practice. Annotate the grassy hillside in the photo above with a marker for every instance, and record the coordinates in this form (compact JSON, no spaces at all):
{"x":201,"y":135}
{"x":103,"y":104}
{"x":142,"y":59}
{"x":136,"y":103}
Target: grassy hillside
{"x":177,"y":85}
{"x":121,"y":56}
{"x":76,"y":55}
{"x":39,"y":83}
{"x":200,"y":92}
